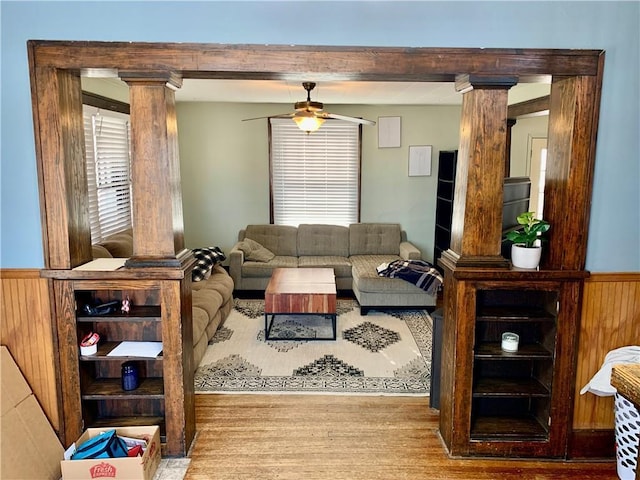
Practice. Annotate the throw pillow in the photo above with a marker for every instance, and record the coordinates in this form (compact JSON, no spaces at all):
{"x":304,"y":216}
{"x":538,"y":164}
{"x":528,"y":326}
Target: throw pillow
{"x":255,"y":252}
{"x":206,"y":259}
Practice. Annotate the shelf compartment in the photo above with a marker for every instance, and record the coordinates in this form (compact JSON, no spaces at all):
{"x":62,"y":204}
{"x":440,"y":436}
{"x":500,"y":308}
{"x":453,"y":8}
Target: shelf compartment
{"x":111,"y":389}
{"x":525,"y":427}
{"x":513,"y":314}
{"x":509,"y":387}
{"x":528,"y":351}
{"x":104,"y":348}
{"x":128,"y":421}
{"x":142,"y":313}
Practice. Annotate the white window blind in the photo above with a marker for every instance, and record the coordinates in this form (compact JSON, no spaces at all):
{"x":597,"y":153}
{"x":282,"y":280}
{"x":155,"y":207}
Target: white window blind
{"x":108,"y":163}
{"x":315,"y":178}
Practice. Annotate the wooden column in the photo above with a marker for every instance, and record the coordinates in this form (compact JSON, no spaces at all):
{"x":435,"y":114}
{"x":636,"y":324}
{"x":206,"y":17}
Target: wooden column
{"x":158,"y":230}
{"x":57,"y":109}
{"x":573,"y":117}
{"x":476,"y":230}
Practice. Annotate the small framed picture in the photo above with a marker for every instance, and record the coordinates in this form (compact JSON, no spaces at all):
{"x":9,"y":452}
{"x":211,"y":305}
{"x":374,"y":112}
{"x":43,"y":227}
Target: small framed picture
{"x":419,"y":160}
{"x":388,"y":132}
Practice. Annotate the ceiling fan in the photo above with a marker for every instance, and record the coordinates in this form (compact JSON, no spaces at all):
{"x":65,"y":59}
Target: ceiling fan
{"x":309,"y":115}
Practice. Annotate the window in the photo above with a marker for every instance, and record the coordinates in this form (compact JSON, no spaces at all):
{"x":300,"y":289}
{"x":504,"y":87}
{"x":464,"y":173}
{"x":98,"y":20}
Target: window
{"x":315,"y":178}
{"x":108,"y":164}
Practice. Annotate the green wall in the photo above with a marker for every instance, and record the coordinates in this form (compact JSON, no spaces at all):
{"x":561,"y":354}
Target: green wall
{"x":225,"y":169}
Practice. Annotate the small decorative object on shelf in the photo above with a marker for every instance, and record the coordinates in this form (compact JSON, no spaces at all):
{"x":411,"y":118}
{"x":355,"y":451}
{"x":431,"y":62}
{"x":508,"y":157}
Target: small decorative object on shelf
{"x":126,"y":306}
{"x":526,"y":251}
{"x":89,"y":344}
{"x":510,"y":341}
{"x":100,"y":308}
{"x":129,"y":376}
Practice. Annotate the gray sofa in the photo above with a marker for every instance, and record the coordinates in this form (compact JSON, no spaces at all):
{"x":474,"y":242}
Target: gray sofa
{"x":353,"y":252}
{"x":212,"y":297}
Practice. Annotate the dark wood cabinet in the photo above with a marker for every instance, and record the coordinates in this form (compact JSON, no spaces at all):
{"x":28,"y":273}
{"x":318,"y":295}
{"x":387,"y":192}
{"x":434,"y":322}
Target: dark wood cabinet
{"x":511,"y":391}
{"x":92,"y":384}
{"x":509,"y":403}
{"x":444,"y":201}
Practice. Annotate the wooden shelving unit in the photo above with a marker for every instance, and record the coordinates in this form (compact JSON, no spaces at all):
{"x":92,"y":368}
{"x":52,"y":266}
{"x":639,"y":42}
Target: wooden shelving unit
{"x":92,"y":384}
{"x":511,"y":403}
{"x":511,"y":391}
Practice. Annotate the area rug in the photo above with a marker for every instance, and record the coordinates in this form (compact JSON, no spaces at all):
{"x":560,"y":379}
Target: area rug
{"x":382,"y":353}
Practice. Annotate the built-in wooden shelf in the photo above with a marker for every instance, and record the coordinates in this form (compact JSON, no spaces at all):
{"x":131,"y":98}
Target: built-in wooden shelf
{"x":111,"y":389}
{"x":509,"y":387}
{"x":508,"y":428}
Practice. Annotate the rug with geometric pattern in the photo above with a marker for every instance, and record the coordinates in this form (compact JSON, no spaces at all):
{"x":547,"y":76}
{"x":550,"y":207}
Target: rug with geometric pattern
{"x":382,"y":353}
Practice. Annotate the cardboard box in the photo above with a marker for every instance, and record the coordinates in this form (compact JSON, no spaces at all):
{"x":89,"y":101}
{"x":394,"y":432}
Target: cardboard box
{"x":129,"y":468}
{"x":29,"y":447}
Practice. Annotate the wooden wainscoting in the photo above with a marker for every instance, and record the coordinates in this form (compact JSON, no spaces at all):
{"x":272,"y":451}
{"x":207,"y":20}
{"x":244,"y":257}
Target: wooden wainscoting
{"x":610,"y":319}
{"x":27,"y":331}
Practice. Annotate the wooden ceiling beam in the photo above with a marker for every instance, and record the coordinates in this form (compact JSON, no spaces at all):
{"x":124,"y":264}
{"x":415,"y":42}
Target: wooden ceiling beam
{"x":335,"y":63}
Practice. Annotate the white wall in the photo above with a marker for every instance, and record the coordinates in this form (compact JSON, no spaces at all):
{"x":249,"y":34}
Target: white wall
{"x":225,"y":169}
{"x":521,"y":134}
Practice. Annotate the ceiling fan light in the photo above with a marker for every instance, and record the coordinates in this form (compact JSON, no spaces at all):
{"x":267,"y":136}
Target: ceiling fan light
{"x":308,"y":123}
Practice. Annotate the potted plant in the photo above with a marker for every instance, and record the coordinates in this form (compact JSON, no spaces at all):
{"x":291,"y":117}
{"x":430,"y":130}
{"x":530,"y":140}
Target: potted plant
{"x":526,"y":248}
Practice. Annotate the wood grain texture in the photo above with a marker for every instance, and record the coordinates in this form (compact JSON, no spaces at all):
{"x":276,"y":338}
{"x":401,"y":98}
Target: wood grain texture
{"x":319,"y":62}
{"x":179,"y":390}
{"x":155,"y":169}
{"x":301,"y":290}
{"x":610,"y":319}
{"x":458,"y":378}
{"x":344,"y":437}
{"x":626,"y":379}
{"x":26,"y":330}
{"x":476,"y":228}
{"x":570,"y":163}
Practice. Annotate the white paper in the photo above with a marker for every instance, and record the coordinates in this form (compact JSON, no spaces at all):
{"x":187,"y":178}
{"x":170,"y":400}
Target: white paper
{"x":136,"y":349}
{"x":388,"y":132}
{"x":419,"y":160}
{"x":103,"y":264}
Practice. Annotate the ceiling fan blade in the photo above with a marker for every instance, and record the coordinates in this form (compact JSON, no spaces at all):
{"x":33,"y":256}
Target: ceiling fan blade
{"x":281,"y":115}
{"x":336,"y":116}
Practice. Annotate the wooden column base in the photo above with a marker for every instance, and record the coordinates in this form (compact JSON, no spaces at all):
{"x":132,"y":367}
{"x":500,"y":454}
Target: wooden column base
{"x":176,"y":261}
{"x":451,"y":260}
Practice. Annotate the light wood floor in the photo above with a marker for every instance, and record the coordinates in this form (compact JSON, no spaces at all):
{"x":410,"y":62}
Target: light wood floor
{"x":343,"y":437}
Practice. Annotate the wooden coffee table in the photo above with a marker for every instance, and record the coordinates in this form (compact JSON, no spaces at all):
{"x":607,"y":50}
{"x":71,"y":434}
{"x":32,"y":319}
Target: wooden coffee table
{"x":300,"y":291}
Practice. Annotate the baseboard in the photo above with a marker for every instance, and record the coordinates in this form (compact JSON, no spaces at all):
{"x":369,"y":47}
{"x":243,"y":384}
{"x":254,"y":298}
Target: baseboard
{"x":591,"y":444}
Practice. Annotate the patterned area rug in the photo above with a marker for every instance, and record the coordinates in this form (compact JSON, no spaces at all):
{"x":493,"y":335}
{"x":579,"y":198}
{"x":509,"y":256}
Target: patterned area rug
{"x":378,"y":354}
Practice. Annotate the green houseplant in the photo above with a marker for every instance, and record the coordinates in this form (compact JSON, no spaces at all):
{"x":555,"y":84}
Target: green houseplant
{"x":525,"y":252}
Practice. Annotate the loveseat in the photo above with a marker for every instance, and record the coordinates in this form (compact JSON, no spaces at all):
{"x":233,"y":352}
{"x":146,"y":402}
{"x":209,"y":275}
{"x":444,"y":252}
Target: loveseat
{"x":354,"y":253}
{"x":212,"y":294}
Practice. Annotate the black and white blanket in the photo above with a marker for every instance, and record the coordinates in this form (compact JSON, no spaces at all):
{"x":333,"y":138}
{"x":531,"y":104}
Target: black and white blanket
{"x":422,"y":274}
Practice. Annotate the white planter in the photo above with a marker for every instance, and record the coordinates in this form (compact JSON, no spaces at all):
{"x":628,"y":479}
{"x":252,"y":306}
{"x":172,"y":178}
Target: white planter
{"x":523,"y":257}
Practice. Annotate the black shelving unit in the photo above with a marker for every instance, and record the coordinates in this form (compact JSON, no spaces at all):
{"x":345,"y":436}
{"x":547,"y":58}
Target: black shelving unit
{"x":447,"y":162}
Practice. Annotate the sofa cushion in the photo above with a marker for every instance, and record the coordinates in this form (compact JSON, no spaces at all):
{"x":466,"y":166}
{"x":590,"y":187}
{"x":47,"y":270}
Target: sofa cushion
{"x":374,"y":239}
{"x":98,"y":251}
{"x":208,"y":300}
{"x":119,"y":245}
{"x":254,"y":251}
{"x":200,"y":322}
{"x":341,"y":265}
{"x":280,"y":239}
{"x":329,"y":240}
{"x":219,"y":281}
{"x":261,"y":270}
{"x":366,"y":279}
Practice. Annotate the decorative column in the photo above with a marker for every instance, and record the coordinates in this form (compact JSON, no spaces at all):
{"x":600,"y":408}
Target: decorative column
{"x":158,"y":229}
{"x":476,"y":230}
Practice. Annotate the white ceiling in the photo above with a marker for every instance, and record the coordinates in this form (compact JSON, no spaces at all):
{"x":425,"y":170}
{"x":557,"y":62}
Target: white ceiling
{"x":341,"y":92}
